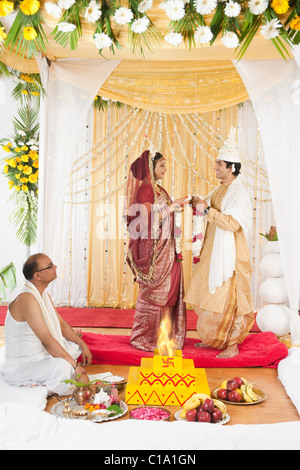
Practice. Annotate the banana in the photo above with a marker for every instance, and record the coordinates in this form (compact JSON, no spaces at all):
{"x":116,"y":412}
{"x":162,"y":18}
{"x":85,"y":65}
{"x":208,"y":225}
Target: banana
{"x":201,"y":396}
{"x":246,"y":397}
{"x":219,"y":404}
{"x":250,"y":392}
{"x":183,"y":414}
{"x":192,"y":403}
{"x":244,"y":380}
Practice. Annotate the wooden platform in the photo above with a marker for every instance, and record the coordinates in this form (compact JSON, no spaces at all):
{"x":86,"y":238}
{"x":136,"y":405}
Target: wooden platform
{"x":275,"y":409}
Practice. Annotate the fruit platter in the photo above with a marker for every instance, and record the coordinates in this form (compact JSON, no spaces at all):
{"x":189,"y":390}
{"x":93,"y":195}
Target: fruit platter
{"x":239,"y":391}
{"x":202,"y":408}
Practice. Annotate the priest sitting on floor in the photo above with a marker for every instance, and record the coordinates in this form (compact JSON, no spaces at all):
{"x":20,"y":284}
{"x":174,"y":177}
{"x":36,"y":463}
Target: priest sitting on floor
{"x":40,"y":347}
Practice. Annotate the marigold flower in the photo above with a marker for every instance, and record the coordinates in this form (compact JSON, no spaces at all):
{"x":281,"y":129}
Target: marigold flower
{"x":17,"y":176}
{"x":280,"y":6}
{"x":6,"y":148}
{"x":17,"y":188}
{"x":24,"y":92}
{"x":10,"y":184}
{"x":35,"y":164}
{"x":24,"y":180}
{"x":12,"y":163}
{"x":6,"y":169}
{"x":25,"y":158}
{"x":3,"y":34}
{"x":24,"y":147}
{"x":295,"y":23}
{"x":17,"y":149}
{"x":33,"y":178}
{"x":30,"y":7}
{"x":25,"y":188}
{"x":29,"y":33}
{"x":20,"y":167}
{"x":27,"y":170}
{"x":33,"y":155}
{"x":6,"y":8}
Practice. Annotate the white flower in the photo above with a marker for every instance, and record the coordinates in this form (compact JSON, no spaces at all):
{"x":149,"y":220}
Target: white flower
{"x":203,"y":35}
{"x":162,"y":5}
{"x":145,"y":5}
{"x":20,"y":132}
{"x":230,"y":40}
{"x":271,"y":29}
{"x":257,"y":7}
{"x":53,"y":9}
{"x":140,"y":25}
{"x":65,"y":4}
{"x":232,"y":9}
{"x":101,"y":40}
{"x":123,"y":15}
{"x":175,"y":9}
{"x":34,"y":147}
{"x":65,"y":27}
{"x":92,"y":12}
{"x":204,"y":7}
{"x":174,"y":38}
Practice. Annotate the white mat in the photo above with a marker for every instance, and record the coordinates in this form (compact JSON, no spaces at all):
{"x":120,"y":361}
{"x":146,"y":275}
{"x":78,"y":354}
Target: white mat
{"x":35,"y":397}
{"x":25,"y":428}
{"x":289,"y":375}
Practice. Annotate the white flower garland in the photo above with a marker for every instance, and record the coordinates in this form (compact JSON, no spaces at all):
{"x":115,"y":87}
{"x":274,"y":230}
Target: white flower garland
{"x":198,"y":234}
{"x":178,"y":234}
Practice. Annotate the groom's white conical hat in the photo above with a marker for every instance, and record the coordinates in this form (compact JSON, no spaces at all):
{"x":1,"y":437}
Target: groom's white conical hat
{"x":230,"y":151}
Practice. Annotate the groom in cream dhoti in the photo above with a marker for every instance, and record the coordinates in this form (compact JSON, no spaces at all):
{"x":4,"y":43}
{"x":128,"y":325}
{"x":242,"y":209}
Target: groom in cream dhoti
{"x":40,"y":347}
{"x":219,"y":288}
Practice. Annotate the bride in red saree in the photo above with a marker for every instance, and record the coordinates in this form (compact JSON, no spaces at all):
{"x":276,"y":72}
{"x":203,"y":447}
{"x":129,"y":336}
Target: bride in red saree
{"x":149,"y":211}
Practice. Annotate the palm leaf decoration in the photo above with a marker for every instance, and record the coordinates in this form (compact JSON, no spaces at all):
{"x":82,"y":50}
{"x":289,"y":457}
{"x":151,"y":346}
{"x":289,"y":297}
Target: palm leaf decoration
{"x":101,"y":105}
{"x":15,"y":37}
{"x":24,"y":217}
{"x":148,"y":39}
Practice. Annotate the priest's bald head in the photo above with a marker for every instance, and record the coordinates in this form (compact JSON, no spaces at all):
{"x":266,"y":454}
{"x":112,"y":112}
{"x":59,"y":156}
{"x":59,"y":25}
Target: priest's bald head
{"x":39,"y":267}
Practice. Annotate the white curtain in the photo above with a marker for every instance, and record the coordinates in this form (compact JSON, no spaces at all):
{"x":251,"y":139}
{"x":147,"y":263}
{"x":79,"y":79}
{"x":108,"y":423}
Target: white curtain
{"x":255,"y":177}
{"x":66,"y":130}
{"x":273,"y":87}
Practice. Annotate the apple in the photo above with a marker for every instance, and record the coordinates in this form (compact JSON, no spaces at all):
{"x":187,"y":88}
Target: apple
{"x":222,"y":394}
{"x":191,"y":415}
{"x":239,"y":381}
{"x":216,"y":415}
{"x":234,"y":396}
{"x":232,"y":385}
{"x":203,"y":417}
{"x":208,"y":405}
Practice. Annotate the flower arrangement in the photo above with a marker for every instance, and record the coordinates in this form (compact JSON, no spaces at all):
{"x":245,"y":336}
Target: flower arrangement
{"x":272,"y":235}
{"x":178,"y":234}
{"x":194,"y":22}
{"x":198,"y":234}
{"x":21,"y":168}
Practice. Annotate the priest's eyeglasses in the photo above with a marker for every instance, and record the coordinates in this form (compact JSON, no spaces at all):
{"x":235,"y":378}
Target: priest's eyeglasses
{"x":44,"y":269}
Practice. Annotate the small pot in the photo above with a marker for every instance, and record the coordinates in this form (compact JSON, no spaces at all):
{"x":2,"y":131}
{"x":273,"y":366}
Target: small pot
{"x":83,"y":395}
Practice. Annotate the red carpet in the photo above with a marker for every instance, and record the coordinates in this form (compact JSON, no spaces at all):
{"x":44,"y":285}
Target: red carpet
{"x":258,"y":350}
{"x":106,"y":318}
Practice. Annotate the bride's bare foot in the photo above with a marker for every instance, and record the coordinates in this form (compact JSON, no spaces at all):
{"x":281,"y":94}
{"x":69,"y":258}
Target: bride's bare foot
{"x":231,"y":351}
{"x":200,"y":345}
